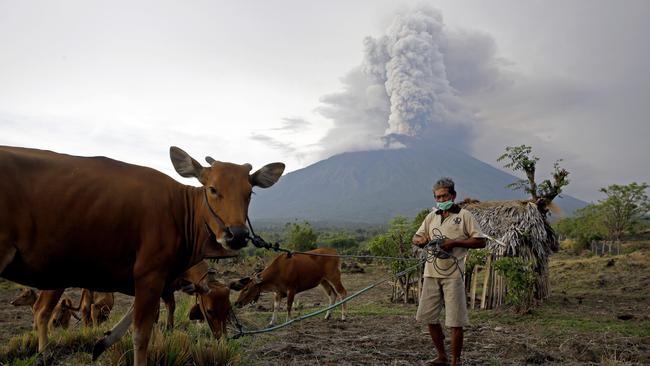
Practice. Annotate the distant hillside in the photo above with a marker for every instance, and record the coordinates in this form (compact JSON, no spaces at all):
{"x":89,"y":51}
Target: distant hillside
{"x":375,"y":186}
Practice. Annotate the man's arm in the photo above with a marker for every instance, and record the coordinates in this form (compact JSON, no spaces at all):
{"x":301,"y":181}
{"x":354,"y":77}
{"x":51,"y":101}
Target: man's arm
{"x":471,"y":243}
{"x":420,"y":240}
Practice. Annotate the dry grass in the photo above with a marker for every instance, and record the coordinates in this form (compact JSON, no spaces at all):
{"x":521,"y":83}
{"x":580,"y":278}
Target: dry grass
{"x":190,"y":344}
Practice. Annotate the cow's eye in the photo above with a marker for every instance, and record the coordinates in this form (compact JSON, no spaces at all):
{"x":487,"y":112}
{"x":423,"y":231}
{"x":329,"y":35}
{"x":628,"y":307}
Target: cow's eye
{"x":213,"y":191}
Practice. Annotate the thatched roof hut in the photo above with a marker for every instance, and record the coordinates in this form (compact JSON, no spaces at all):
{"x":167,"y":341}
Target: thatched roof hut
{"x":518,"y":228}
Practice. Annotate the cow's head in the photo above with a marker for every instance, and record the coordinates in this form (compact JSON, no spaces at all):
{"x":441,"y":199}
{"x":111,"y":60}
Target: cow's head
{"x":213,"y":306}
{"x":227,"y":193}
{"x":250,"y":289}
{"x":27,"y":297}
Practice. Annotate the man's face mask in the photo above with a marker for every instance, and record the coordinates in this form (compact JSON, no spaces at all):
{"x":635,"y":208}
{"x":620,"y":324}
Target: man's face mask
{"x":443,"y":194}
{"x":445,"y":205}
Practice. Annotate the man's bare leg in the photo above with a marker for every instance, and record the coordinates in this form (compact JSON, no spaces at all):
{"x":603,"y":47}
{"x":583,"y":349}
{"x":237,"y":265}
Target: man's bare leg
{"x":438,"y":338}
{"x":456,"y":345}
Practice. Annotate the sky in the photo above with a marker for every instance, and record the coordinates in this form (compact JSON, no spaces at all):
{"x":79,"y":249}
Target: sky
{"x":299,"y":81}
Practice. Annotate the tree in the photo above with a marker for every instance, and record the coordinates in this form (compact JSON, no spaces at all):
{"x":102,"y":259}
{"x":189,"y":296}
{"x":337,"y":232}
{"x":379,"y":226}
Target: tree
{"x":520,"y":158}
{"x":625,"y":207}
{"x":301,"y":237}
{"x":396,"y":243}
{"x":341,"y":242}
{"x":586,"y":225}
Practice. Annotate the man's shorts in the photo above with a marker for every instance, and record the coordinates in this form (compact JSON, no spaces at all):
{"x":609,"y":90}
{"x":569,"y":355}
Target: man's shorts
{"x":435,"y":292}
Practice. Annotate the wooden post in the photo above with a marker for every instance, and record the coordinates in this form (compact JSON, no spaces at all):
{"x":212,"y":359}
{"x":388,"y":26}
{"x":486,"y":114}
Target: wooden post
{"x":486,"y":281}
{"x":495,"y":291}
{"x":499,"y":292}
{"x":472,"y":292}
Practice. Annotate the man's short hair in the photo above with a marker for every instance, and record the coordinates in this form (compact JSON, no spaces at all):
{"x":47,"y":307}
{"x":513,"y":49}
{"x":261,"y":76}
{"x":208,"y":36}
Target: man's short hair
{"x":445,"y":182}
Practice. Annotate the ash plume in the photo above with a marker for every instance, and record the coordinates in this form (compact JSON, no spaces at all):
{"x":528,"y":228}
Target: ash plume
{"x":410,"y":84}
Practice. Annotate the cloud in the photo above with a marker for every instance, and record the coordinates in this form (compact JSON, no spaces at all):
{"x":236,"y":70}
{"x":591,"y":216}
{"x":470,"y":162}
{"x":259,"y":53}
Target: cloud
{"x":410,"y":83}
{"x":273,"y":143}
{"x":293,"y":125}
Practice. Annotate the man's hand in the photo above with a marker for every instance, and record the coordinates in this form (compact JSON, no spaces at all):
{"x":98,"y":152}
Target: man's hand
{"x":447,"y":245}
{"x":420,"y":240}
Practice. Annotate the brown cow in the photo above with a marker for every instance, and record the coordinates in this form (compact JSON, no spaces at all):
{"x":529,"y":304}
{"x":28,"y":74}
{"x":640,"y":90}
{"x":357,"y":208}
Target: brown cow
{"x":42,"y":303}
{"x":287,"y":276}
{"x":95,"y":307}
{"x":60,"y":315}
{"x":127,"y":228}
{"x":212,"y":299}
{"x":212,"y":305}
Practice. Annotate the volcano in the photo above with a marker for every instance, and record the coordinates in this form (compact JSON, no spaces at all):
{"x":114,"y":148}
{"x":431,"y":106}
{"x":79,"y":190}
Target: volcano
{"x":372,"y":187}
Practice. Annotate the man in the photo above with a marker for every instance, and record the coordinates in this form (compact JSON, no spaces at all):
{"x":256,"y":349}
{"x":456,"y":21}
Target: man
{"x":443,"y":277}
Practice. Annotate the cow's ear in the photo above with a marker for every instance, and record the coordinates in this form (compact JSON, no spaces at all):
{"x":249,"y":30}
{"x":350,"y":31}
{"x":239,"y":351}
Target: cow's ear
{"x":238,"y":285}
{"x":267,"y":175}
{"x":195,"y":313}
{"x":184,"y":164}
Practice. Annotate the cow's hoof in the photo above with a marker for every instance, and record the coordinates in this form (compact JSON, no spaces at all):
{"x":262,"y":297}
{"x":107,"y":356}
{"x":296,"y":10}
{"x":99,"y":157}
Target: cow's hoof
{"x":99,"y":348}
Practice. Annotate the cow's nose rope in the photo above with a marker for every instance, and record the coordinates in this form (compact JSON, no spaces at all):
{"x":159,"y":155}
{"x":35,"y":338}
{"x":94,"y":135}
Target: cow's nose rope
{"x":220,"y":222}
{"x":259,"y":242}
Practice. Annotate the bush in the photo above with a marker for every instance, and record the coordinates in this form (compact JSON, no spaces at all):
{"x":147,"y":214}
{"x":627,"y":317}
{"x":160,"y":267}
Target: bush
{"x":520,"y":281}
{"x":475,"y":257}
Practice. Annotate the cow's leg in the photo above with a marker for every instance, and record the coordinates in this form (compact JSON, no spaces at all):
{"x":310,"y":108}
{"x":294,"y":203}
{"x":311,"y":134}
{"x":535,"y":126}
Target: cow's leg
{"x":87,"y":300}
{"x":170,"y":304}
{"x":277,"y":297}
{"x":341,"y":291}
{"x":148,"y":291}
{"x":329,"y":291}
{"x":44,"y":306}
{"x":94,"y":315}
{"x":113,"y":335}
{"x":290,"y":295}
{"x":7,"y":254}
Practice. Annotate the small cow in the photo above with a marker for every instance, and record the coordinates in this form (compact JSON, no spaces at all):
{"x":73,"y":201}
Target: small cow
{"x":212,"y":305}
{"x":212,"y":299}
{"x":61,"y":313}
{"x":95,"y":307}
{"x":127,"y":228}
{"x":286,"y":276}
{"x":26,"y":297}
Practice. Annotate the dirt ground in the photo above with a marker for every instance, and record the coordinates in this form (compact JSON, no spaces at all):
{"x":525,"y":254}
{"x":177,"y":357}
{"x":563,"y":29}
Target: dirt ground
{"x":598,"y":322}
{"x":378,"y":332}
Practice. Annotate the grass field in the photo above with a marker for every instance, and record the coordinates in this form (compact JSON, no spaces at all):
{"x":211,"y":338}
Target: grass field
{"x":598,"y":314}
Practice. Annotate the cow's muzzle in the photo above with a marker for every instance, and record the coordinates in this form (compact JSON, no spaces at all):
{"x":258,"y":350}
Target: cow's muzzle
{"x":236,"y":236}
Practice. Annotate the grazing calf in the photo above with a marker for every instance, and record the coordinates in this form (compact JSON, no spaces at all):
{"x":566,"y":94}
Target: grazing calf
{"x":212,"y":305}
{"x":287,"y":276}
{"x":61,"y":314}
{"x":43,"y":303}
{"x":102,"y":307}
{"x":26,"y":297}
{"x":212,"y":299}
{"x":95,"y":307}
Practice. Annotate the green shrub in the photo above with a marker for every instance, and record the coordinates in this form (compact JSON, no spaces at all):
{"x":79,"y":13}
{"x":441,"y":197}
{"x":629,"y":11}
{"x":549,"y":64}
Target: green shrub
{"x":520,"y":281}
{"x":475,"y":257}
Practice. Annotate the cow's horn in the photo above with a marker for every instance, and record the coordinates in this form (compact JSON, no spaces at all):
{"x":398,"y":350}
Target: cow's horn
{"x":209,"y":160}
